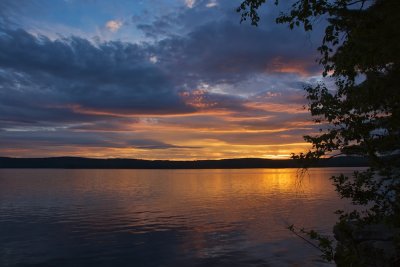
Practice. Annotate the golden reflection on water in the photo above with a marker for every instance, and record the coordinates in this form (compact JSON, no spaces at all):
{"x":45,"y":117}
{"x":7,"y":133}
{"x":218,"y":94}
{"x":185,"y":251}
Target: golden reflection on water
{"x":211,"y":210}
{"x":224,"y":195}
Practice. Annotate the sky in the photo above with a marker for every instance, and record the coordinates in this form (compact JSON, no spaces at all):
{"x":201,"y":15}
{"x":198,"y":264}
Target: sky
{"x":155,"y":79}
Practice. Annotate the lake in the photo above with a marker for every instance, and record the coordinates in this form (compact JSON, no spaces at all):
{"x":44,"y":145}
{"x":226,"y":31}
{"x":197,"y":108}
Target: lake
{"x":57,"y":217}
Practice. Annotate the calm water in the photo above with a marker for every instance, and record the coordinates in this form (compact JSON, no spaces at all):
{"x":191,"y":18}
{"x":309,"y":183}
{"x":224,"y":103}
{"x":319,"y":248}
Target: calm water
{"x":163,"y":217}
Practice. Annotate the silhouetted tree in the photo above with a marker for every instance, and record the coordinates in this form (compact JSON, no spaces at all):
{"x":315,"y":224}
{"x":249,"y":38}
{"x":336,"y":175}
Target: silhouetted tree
{"x":361,"y":116}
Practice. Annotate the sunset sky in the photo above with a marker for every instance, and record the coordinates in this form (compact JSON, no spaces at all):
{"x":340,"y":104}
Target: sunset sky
{"x":156,"y":79}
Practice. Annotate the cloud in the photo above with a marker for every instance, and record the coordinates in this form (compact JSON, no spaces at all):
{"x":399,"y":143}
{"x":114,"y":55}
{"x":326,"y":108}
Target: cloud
{"x":114,"y":25}
{"x":203,"y":100}
{"x":75,"y":75}
{"x":190,"y":3}
{"x":222,"y":52}
{"x":153,"y":59}
{"x":87,"y":139}
{"x":212,"y":46}
{"x":212,"y":3}
{"x":153,"y":144}
{"x":203,"y":81}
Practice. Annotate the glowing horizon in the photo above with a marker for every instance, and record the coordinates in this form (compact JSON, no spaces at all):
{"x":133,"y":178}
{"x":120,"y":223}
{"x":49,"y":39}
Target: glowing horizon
{"x":176,"y":80}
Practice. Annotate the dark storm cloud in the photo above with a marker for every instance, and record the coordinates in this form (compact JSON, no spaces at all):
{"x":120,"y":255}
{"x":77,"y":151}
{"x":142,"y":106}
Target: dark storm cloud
{"x":153,"y":144}
{"x":212,"y":45}
{"x":111,"y":76}
{"x":118,"y":77}
{"x":33,"y":137}
{"x":71,"y":76}
{"x":161,"y":27}
{"x":222,"y":52}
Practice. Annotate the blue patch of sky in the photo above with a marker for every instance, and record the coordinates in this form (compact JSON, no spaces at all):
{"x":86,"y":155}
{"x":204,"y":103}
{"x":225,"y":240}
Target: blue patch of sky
{"x":89,"y":17}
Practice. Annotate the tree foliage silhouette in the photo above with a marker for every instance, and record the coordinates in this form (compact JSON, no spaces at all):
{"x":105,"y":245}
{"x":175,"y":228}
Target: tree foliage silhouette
{"x":361,"y":115}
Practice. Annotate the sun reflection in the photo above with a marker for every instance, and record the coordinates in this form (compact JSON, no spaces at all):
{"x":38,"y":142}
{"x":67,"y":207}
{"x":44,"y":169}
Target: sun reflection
{"x":206,"y":210}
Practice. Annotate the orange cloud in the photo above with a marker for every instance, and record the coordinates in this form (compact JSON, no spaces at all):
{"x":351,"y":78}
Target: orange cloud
{"x":113,"y":25}
{"x":302,"y":68}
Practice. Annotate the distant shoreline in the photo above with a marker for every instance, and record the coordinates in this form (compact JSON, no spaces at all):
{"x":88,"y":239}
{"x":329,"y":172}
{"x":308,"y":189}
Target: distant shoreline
{"x":117,"y":163}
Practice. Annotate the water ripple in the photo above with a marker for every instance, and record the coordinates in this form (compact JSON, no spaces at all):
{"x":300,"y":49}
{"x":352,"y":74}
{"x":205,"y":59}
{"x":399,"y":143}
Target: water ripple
{"x":161,"y":218}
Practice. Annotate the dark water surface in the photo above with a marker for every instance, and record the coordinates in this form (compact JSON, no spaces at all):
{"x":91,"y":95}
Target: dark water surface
{"x":163,"y":217}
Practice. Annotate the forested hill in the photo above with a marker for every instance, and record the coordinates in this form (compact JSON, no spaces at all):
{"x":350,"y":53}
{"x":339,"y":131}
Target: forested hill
{"x":90,"y":163}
